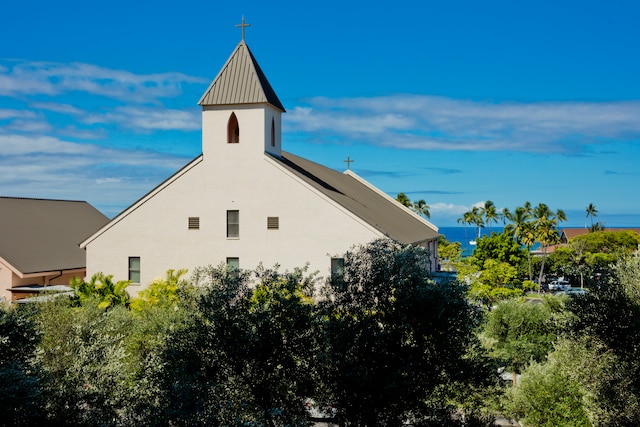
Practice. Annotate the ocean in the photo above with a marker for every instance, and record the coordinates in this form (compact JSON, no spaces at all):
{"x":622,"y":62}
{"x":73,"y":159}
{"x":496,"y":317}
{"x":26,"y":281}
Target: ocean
{"x":466,"y":234}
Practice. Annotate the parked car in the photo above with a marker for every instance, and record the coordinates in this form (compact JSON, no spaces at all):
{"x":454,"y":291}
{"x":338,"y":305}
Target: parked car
{"x":573,"y":292}
{"x":559,"y":285}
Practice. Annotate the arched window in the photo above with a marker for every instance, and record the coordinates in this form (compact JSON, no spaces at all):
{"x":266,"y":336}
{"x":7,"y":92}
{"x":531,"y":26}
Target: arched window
{"x":273,"y":133}
{"x":233,"y":130}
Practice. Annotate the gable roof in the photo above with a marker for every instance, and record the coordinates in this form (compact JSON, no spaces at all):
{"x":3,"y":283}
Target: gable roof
{"x":362,"y":199}
{"x":42,"y":235}
{"x":240,"y":81}
{"x":570,"y":233}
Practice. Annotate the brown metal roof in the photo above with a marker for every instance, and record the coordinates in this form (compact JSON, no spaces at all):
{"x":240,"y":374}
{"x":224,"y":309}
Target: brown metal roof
{"x":382,"y":213}
{"x":240,"y":81}
{"x":40,"y":235}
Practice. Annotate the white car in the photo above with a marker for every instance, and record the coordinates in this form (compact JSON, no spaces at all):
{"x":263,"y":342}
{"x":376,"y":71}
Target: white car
{"x":559,"y":285}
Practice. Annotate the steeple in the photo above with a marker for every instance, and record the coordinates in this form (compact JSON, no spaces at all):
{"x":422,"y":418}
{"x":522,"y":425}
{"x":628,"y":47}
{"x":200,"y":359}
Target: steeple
{"x":240,"y":81}
{"x":241,"y":113}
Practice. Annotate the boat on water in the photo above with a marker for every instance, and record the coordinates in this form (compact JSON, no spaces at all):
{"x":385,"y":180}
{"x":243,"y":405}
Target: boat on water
{"x":474,"y":242}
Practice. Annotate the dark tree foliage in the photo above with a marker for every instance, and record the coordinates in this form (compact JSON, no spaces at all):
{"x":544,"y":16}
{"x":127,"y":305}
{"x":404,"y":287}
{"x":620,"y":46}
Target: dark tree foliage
{"x":394,"y":337}
{"x":247,"y":359}
{"x":610,"y":314}
{"x":19,"y":379}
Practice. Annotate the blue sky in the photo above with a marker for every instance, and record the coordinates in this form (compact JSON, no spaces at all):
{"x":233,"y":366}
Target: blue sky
{"x":452,"y":102}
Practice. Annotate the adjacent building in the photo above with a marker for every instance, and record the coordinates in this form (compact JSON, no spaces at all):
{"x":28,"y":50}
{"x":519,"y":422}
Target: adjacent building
{"x":39,"y":243}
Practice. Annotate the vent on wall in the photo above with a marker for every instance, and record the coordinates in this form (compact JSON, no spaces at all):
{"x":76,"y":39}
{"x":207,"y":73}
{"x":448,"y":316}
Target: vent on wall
{"x":194,"y":223}
{"x":273,"y":223}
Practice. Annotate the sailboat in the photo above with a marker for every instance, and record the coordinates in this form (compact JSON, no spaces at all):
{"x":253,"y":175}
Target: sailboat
{"x":475,"y":241}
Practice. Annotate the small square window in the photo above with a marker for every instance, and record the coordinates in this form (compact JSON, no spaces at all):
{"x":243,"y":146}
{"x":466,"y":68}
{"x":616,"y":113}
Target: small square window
{"x":134,"y":269}
{"x":194,"y":223}
{"x":273,"y":223}
{"x":233,"y":224}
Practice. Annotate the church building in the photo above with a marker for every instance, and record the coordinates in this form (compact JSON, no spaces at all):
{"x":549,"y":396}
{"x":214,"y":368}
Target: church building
{"x":246,"y":201}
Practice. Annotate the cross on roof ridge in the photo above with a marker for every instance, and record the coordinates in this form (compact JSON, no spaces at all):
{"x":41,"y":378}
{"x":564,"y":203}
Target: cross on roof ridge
{"x":242,"y":25}
{"x":348,"y":162}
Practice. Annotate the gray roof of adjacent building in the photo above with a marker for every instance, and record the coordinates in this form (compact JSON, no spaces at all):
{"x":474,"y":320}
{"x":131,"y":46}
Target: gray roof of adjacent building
{"x":362,"y":199}
{"x":240,"y":81}
{"x":43,"y":235}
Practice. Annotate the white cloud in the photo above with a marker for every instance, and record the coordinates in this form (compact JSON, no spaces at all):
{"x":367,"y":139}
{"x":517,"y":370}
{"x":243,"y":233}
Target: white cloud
{"x":6,"y":113}
{"x":438,"y":123}
{"x":58,"y":108}
{"x":53,"y":168}
{"x":147,"y":118}
{"x":50,"y":78}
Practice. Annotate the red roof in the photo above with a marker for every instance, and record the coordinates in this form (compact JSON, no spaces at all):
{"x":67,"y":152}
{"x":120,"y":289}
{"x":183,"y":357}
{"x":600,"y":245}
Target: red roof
{"x":570,"y":233}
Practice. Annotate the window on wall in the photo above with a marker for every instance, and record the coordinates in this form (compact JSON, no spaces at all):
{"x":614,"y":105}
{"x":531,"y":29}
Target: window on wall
{"x":233,"y":130}
{"x":337,"y":269}
{"x":134,"y":269}
{"x":234,"y":263}
{"x":233,"y":224}
{"x":273,"y":133}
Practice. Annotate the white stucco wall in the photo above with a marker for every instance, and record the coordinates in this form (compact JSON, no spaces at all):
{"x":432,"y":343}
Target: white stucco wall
{"x":229,"y":177}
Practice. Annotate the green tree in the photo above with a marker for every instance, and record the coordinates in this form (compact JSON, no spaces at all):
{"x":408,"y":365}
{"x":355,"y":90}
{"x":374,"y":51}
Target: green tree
{"x":591,"y":212}
{"x":518,"y":333}
{"x":490,"y":213}
{"x":450,"y":253}
{"x":608,"y":318}
{"x":523,"y":230}
{"x":161,"y":292}
{"x":465,"y":220}
{"x":395,"y":338}
{"x":475,"y":216}
{"x":247,"y":356}
{"x":403,"y":199}
{"x":498,"y":274}
{"x":500,"y":247}
{"x":547,"y":397}
{"x":20,"y":379}
{"x":420,"y":207}
{"x":546,"y":230}
{"x":88,"y":368}
{"x":102,"y":287}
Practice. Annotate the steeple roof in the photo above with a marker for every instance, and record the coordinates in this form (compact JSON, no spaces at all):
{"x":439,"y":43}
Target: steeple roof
{"x":240,"y":81}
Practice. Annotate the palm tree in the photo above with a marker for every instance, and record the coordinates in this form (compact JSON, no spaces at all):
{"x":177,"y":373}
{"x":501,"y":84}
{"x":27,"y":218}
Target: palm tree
{"x":490,"y":213}
{"x":592,"y":212}
{"x":403,"y":199}
{"x":464,"y":221}
{"x":102,"y":287}
{"x":475,"y":218}
{"x":421,"y":208}
{"x":546,"y":232}
{"x":522,"y":229}
{"x":506,"y":215}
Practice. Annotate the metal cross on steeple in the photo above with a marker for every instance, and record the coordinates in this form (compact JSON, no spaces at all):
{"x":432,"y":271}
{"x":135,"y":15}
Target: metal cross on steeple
{"x":348,"y":162}
{"x":242,"y":25}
